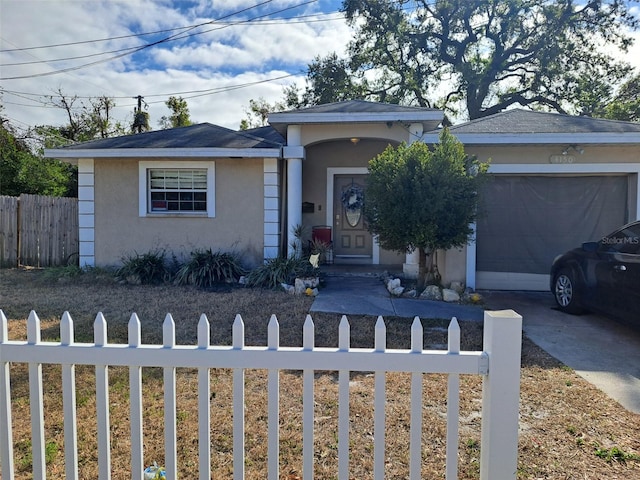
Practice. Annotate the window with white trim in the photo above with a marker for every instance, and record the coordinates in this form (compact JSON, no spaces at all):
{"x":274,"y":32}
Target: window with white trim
{"x":176,"y":188}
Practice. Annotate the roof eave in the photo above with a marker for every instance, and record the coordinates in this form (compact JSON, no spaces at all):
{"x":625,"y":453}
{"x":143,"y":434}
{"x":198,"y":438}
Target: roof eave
{"x":63,"y":153}
{"x":354,"y":117}
{"x":583,"y":138}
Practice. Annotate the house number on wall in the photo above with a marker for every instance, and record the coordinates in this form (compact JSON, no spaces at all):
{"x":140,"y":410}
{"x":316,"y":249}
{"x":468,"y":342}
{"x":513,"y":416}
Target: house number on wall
{"x":562,"y":159}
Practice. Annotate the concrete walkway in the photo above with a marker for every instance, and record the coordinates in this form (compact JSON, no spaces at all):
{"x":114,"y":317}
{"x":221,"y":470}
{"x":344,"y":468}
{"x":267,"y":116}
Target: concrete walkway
{"x":602,"y":351}
{"x":367,"y":295}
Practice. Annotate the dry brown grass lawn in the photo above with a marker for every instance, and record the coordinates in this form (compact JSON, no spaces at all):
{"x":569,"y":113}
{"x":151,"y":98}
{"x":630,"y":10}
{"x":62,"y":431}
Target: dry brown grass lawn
{"x":568,"y":428}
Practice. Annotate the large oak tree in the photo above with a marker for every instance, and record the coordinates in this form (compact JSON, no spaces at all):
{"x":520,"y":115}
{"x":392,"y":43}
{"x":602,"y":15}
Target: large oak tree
{"x":478,"y":57}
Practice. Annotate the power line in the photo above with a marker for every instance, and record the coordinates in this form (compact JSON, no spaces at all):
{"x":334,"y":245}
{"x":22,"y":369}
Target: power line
{"x":185,"y":95}
{"x":311,"y":18}
{"x":97,"y":40}
{"x":177,"y":36}
{"x":251,"y":22}
{"x":189,"y":27}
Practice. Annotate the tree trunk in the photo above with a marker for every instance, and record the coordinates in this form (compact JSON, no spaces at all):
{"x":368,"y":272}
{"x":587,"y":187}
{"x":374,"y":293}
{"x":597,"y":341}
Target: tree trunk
{"x":422,"y":268}
{"x":427,"y":269}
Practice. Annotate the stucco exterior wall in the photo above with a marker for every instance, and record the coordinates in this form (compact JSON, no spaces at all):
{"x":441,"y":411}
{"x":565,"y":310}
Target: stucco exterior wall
{"x":527,"y":154}
{"x":237,"y":225}
{"x":395,"y":132}
{"x":336,"y":154}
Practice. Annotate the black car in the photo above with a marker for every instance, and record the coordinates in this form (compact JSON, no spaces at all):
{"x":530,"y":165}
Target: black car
{"x":601,"y":276}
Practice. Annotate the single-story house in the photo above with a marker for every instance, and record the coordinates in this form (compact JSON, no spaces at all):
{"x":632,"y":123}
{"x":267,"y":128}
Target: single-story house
{"x":557,"y":180}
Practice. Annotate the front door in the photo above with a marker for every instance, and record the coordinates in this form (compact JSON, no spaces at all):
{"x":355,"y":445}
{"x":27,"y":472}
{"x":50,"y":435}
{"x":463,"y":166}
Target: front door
{"x":351,"y":238}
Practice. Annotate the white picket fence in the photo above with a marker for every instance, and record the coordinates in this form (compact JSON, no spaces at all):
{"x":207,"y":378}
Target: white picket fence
{"x":498,"y":363}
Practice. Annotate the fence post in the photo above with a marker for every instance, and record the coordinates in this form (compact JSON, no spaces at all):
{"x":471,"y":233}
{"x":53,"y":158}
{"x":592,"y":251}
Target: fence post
{"x":501,"y":395}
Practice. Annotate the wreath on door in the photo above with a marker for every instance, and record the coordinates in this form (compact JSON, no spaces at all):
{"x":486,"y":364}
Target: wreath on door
{"x":353,"y":198}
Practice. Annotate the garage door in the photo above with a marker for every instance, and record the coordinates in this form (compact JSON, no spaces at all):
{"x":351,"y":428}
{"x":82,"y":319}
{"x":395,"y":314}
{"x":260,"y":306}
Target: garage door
{"x":526,"y":221}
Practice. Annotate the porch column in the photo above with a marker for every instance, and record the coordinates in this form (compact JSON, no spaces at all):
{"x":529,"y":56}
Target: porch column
{"x":293,"y":153}
{"x":412,"y":260}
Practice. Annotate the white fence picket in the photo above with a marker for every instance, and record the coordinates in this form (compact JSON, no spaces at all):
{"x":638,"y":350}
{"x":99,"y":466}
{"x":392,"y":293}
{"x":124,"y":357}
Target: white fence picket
{"x":380,"y":399}
{"x":453,"y":404}
{"x":415,"y":433}
{"x":499,"y":409}
{"x":6,"y":433}
{"x":204,"y":404}
{"x":102,"y":401}
{"x":69,"y":403}
{"x":170,"y":406}
{"x":238,"y":403}
{"x":273,"y":403}
{"x":36,"y":401}
{"x":308,"y":343}
{"x":344,"y":341}
{"x":135,"y":401}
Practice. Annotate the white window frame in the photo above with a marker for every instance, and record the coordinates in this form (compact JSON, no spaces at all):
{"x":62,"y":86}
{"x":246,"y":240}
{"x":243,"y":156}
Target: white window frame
{"x":143,"y":188}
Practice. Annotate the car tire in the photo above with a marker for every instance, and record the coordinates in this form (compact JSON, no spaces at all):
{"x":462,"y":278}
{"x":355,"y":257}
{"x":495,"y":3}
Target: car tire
{"x":565,"y":291}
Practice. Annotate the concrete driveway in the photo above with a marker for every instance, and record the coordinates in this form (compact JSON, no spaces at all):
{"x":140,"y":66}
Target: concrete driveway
{"x":599,"y":349}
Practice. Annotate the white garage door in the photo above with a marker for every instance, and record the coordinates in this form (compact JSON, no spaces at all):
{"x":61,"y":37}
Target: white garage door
{"x":526,"y":221}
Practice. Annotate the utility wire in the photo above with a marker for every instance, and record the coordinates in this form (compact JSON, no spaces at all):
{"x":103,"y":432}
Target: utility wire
{"x":174,"y":37}
{"x":185,"y":95}
{"x":311,"y":18}
{"x":224,"y":25}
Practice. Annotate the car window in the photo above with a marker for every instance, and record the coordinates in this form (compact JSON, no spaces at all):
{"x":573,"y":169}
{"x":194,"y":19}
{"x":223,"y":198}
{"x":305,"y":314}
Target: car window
{"x":625,"y":241}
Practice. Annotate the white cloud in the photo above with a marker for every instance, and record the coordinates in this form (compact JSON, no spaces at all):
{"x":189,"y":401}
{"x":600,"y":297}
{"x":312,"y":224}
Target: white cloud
{"x":224,"y":58}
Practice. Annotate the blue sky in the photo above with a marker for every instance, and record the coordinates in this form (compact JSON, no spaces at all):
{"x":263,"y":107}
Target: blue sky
{"x":216,"y":54}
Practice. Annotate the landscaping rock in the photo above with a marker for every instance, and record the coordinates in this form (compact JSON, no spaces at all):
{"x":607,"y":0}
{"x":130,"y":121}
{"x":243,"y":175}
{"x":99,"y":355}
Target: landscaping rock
{"x":458,"y":287}
{"x":301,"y":284}
{"x":394,"y":287}
{"x":432,"y":292}
{"x":449,"y":295}
{"x":397,"y":292}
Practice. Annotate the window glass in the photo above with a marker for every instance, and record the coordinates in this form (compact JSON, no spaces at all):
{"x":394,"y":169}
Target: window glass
{"x":177,"y":190}
{"x":625,"y":241}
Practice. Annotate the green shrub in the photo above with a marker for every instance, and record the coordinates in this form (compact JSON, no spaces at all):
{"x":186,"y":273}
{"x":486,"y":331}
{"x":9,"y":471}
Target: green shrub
{"x":280,"y":270}
{"x":149,"y":268}
{"x":207,"y":268}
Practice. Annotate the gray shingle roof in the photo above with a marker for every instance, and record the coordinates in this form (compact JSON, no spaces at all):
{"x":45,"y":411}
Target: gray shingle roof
{"x":203,"y":135}
{"x":526,"y":121}
{"x":358,"y":106}
{"x":351,"y":112}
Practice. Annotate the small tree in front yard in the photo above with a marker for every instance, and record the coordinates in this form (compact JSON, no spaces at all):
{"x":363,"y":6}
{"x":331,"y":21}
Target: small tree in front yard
{"x":423,"y":199}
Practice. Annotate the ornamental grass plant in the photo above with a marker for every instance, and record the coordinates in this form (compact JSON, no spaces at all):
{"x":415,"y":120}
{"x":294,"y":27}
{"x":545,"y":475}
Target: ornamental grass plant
{"x":206,"y":268}
{"x":277,"y":271}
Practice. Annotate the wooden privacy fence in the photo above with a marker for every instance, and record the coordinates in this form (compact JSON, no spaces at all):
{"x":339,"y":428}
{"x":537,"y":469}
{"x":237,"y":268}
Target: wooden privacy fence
{"x":498,"y":363}
{"x":38,"y":231}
